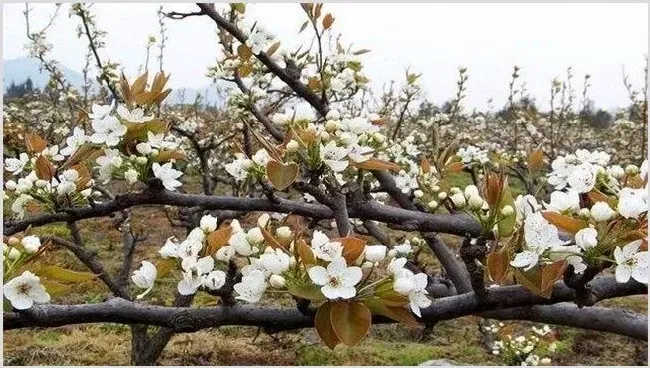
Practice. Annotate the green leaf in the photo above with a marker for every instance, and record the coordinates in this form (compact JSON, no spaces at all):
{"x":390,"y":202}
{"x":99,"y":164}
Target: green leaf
{"x":306,"y":291}
{"x":55,"y":288}
{"x":506,"y":224}
{"x":64,"y":275}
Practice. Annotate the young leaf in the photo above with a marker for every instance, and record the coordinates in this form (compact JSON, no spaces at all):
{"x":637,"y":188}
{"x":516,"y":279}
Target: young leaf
{"x":323,"y":324}
{"x":552,"y":273}
{"x":306,"y":291}
{"x":273,"y":48}
{"x":217,"y":239}
{"x":399,"y":314}
{"x":350,"y":321}
{"x":425,"y":165}
{"x":328,"y":19}
{"x":377,"y":164}
{"x":55,"y":288}
{"x":563,"y":222}
{"x":44,"y":169}
{"x":352,"y":248}
{"x":282,"y":175}
{"x":498,"y":264}
{"x":34,"y":143}
{"x":532,"y":280}
{"x":270,"y":240}
{"x":506,"y":224}
{"x":244,"y":52}
{"x":164,"y":266}
{"x":304,"y":252}
{"x":64,"y":275}
{"x":535,"y":160}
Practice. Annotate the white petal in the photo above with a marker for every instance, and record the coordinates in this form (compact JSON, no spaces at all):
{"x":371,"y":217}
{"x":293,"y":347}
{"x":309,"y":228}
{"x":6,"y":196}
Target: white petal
{"x":330,"y":292}
{"x":347,"y":292}
{"x":22,"y":302}
{"x":623,"y":273}
{"x":352,"y":276}
{"x":318,"y":275}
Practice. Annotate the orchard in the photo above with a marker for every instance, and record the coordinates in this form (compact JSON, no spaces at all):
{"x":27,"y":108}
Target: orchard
{"x":310,"y":201}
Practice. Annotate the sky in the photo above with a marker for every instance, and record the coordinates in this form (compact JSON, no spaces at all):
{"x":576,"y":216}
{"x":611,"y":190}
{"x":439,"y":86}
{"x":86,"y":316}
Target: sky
{"x":433,"y":39}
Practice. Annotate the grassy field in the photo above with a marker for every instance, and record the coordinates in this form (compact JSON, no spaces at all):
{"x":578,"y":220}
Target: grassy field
{"x":109,"y":344}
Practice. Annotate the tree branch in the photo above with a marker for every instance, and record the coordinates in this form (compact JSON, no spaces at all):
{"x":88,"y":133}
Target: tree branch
{"x":301,"y":89}
{"x":370,"y":210}
{"x":193,"y":319}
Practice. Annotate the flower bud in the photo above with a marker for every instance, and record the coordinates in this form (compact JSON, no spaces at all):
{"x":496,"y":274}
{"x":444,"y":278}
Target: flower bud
{"x":333,"y":115}
{"x":471,"y":191}
{"x":292,"y":146}
{"x":507,"y":210}
{"x":141,"y":160}
{"x":375,"y":253}
{"x":10,"y":185}
{"x":616,"y":171}
{"x":324,"y":136}
{"x":208,"y":223}
{"x":40,"y":183}
{"x":13,"y":241}
{"x":475,"y":202}
{"x":277,"y":282}
{"x":143,"y":148}
{"x":331,"y":126}
{"x":14,"y":254}
{"x":631,"y":169}
{"x":31,"y":244}
{"x":263,"y":220}
{"x":254,"y":236}
{"x":433,"y":205}
{"x":379,"y":138}
{"x":458,"y":200}
{"x":284,"y":232}
{"x":418,"y":193}
{"x":584,"y":213}
{"x":367,"y":264}
{"x":442,"y":196}
{"x":601,"y":211}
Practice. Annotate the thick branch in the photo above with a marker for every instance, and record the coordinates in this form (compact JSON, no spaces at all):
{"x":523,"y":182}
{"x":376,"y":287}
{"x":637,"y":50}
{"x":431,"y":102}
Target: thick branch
{"x":193,"y":319}
{"x":371,"y":210}
{"x":617,"y":321}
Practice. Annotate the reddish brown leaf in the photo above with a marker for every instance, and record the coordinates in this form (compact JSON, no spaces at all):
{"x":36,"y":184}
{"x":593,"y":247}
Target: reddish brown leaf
{"x":44,"y":169}
{"x":34,"y":143}
{"x":377,"y":164}
{"x":563,"y":222}
{"x":282,"y":175}
{"x":352,"y":248}
{"x":498,"y":264}
{"x":350,"y":321}
{"x":535,"y":160}
{"x":323,"y":324}
{"x":217,"y":239}
{"x":328,"y":19}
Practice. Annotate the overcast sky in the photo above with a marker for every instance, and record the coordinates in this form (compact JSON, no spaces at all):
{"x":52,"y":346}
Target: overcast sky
{"x":434,"y":39}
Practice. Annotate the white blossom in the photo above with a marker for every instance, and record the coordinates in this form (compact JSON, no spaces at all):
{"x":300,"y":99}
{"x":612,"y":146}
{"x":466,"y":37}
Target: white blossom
{"x":337,"y":280}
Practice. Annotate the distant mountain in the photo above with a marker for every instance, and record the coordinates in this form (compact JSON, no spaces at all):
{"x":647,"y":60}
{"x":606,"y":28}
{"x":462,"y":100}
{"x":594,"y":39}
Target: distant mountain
{"x":19,"y":69}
